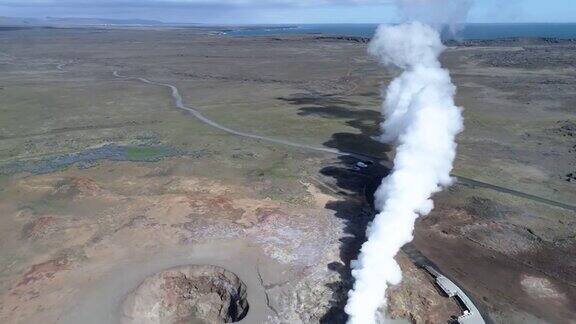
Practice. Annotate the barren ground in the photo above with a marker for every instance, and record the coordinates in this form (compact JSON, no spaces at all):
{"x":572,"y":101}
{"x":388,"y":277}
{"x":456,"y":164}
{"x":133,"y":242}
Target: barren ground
{"x":104,"y":182}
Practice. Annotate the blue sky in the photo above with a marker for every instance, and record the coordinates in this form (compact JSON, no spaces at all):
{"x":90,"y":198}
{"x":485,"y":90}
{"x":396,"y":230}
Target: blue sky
{"x":282,"y":11}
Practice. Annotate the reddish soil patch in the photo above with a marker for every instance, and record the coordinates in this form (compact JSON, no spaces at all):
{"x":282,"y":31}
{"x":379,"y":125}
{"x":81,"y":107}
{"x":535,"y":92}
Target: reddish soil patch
{"x":39,"y":227}
{"x":44,"y":270}
{"x":222,"y":205}
{"x":266,"y":215}
{"x":416,"y":298}
{"x":77,"y":186}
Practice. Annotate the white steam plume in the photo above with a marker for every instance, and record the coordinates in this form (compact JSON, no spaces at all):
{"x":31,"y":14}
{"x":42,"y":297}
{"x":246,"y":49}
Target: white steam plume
{"x":423,"y":121}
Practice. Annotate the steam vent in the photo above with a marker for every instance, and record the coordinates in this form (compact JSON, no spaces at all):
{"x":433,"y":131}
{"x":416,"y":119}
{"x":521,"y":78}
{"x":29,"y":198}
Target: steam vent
{"x":190,"y":294}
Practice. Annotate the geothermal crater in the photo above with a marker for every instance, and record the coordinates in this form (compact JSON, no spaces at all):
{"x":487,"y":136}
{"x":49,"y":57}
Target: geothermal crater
{"x":188,"y":294}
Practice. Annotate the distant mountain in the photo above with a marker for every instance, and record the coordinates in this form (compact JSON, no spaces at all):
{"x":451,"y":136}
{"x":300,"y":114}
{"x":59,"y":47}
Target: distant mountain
{"x":62,"y":22}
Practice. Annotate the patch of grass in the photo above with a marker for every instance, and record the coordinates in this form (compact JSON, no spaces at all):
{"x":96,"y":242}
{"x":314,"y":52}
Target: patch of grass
{"x":50,"y":205}
{"x":146,"y":153}
{"x":277,"y":169}
{"x":3,"y":181}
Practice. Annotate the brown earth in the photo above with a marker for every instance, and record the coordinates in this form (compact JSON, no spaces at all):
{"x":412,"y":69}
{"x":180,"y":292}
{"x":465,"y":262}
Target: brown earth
{"x":104,"y":183}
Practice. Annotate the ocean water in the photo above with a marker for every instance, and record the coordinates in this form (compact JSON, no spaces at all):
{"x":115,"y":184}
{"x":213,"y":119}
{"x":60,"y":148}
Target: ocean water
{"x":470,"y":31}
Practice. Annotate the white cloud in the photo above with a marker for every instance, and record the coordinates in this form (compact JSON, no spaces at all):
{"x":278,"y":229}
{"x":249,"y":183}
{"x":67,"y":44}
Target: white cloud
{"x":209,"y":11}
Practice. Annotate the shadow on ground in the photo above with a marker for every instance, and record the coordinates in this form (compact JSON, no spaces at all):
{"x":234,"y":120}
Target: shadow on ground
{"x":366,"y":121}
{"x":355,"y":183}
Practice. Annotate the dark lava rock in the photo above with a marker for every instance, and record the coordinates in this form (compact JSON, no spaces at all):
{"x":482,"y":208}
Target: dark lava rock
{"x":566,"y":128}
{"x":511,"y":41}
{"x":355,"y":39}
